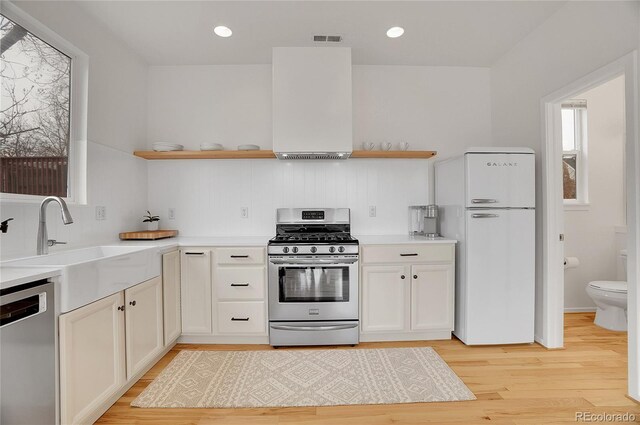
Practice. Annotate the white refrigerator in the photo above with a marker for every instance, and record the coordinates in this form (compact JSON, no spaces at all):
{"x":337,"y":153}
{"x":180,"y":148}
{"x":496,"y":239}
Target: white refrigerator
{"x":487,"y":202}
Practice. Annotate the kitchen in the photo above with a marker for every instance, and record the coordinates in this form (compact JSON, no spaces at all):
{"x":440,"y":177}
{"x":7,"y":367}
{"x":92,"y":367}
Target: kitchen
{"x":445,"y":97}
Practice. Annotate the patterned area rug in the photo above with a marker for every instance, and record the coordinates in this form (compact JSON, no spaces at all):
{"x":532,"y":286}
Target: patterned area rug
{"x":282,"y":378}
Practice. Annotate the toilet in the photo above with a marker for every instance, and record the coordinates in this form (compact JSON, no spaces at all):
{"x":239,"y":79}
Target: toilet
{"x":610,"y":297}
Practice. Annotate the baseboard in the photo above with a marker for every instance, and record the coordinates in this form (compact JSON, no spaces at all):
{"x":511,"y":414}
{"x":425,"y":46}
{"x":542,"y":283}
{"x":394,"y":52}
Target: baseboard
{"x":223,"y":339}
{"x":100,"y":410}
{"x":407,"y":336}
{"x":579,"y":309}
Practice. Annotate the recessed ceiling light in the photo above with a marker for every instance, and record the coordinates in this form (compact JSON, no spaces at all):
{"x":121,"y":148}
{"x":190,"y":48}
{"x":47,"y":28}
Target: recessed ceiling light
{"x":223,"y":31}
{"x":395,"y":32}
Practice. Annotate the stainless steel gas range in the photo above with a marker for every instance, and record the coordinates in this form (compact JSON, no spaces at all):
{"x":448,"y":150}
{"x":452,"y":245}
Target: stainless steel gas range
{"x":313,"y":278}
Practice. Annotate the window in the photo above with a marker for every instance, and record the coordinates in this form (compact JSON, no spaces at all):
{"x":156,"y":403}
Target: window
{"x":43,"y":111}
{"x":574,"y":148}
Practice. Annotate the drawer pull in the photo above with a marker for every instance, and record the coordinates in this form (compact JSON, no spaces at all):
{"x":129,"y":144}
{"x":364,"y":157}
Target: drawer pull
{"x":194,"y":253}
{"x":401,"y":276}
{"x":239,"y":284}
{"x":409,"y":255}
{"x":239,"y":256}
{"x":239,"y":319}
{"x":484,"y":201}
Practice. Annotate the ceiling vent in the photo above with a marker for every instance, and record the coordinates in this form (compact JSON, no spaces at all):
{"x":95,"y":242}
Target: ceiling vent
{"x":327,"y":38}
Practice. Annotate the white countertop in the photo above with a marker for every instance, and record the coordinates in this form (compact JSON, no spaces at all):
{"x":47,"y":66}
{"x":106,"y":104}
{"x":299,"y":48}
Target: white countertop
{"x":224,"y":240}
{"x":14,"y":276}
{"x":400,"y":239}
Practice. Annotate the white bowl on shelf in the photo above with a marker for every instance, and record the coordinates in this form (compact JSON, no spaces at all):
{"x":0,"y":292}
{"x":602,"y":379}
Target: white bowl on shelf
{"x":211,"y":147}
{"x":167,"y":147}
{"x":248,"y":148}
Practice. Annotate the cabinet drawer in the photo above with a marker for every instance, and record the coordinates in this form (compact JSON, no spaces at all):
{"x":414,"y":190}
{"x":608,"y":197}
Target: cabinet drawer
{"x":245,"y":283}
{"x":240,"y":256}
{"x":241,"y":317}
{"x":407,"y":253}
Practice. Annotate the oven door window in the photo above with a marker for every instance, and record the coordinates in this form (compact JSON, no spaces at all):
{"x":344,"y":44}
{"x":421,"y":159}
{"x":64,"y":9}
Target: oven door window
{"x":313,"y":284}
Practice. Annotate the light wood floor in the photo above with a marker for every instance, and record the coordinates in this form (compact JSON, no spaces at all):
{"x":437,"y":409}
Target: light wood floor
{"x":525,"y":384}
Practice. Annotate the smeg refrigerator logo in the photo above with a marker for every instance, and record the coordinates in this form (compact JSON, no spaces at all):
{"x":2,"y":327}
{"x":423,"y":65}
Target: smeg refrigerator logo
{"x":502,"y":164}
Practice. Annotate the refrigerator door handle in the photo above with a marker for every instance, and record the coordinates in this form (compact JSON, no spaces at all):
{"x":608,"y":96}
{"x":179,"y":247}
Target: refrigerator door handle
{"x":484,"y":201}
{"x":484,"y":215}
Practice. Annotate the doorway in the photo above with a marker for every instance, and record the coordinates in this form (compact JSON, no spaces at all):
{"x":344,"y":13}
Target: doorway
{"x":553,"y":204}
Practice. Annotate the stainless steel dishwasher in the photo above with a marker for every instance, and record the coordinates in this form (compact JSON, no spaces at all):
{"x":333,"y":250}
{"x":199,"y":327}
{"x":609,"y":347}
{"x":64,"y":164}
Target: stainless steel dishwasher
{"x":27,"y":354}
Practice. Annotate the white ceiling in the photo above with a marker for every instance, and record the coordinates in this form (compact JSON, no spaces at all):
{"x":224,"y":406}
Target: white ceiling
{"x":440,"y":33}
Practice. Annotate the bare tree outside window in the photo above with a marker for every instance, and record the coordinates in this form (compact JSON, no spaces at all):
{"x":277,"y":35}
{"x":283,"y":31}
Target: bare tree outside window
{"x":34,"y":113}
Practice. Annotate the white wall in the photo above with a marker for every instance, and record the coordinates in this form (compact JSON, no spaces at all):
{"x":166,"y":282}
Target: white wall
{"x":590,"y":234}
{"x":433,"y":108}
{"x":116,"y":126}
{"x":578,"y":39}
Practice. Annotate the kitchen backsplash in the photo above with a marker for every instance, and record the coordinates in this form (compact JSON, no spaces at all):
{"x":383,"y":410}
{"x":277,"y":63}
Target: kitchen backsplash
{"x":208,"y":196}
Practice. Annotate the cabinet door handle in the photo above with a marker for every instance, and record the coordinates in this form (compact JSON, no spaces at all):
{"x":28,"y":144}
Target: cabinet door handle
{"x":133,"y":303}
{"x":409,"y":255}
{"x":239,"y":256}
{"x":484,"y":201}
{"x":415,"y":276}
{"x":239,"y":284}
{"x":239,"y":319}
{"x":120,"y":308}
{"x":402,"y":276}
{"x":194,"y":253}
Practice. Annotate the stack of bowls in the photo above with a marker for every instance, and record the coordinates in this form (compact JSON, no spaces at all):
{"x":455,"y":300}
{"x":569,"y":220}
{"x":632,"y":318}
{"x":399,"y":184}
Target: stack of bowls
{"x":167,"y":147}
{"x":206,"y":146}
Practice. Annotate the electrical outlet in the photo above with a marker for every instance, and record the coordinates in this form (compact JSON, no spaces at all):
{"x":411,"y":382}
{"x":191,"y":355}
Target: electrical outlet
{"x":172,"y":214}
{"x":244,"y":212}
{"x":372,"y":211}
{"x":101,"y":213}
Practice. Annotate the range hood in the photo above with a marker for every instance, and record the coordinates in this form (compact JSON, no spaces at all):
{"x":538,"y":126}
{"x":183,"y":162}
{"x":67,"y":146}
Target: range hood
{"x":312,"y":112}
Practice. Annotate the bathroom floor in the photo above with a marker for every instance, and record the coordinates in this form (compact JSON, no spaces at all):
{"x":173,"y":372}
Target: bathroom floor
{"x":524,"y":384}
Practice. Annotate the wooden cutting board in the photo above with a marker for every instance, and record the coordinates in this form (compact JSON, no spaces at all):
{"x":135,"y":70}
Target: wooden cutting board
{"x":148,"y":235}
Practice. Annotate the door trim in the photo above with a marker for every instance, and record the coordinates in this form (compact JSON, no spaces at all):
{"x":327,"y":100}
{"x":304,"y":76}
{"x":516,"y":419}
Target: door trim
{"x":550,"y":326}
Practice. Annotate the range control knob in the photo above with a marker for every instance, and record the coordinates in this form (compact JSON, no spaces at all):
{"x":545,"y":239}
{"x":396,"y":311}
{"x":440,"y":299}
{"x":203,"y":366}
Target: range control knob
{"x":285,"y":249}
{"x":313,"y":249}
{"x":294,"y":249}
{"x":332,"y":249}
{"x":341,"y":249}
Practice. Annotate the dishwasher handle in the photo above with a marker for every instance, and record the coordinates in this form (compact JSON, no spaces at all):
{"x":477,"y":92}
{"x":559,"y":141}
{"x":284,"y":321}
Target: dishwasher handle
{"x":23,"y":308}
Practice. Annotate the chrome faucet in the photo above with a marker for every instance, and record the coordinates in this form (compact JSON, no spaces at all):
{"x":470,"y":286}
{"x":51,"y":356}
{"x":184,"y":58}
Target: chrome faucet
{"x":43,"y":239}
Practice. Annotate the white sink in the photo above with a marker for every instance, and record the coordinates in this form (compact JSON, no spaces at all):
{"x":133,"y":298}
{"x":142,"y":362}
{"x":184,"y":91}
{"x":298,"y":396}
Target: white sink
{"x":92,"y":273}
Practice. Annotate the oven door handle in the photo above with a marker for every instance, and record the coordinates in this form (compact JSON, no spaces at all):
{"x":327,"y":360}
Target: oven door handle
{"x":314,"y":262}
{"x":314,"y":328}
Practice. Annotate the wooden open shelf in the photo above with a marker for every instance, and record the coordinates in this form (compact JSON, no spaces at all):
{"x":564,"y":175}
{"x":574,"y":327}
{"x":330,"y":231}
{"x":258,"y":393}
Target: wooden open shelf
{"x":394,"y":154}
{"x":271,"y":155}
{"x":206,"y":155}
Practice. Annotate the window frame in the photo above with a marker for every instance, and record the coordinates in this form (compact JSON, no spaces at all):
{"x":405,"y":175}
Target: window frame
{"x":581,"y":152}
{"x":79,"y":87}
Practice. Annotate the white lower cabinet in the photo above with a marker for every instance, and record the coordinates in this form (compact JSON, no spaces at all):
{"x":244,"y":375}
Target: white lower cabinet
{"x":385,"y":298}
{"x":143,"y":324}
{"x":196,"y":291}
{"x":241,"y":317}
{"x":92,"y":357}
{"x":407,"y":292}
{"x":106,"y":345}
{"x":432,"y":296}
{"x":171,"y":296}
{"x":224,"y":295}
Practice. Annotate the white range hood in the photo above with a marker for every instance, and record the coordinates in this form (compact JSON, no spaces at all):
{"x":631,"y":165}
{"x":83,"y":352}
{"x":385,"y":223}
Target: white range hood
{"x":312,"y":113}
